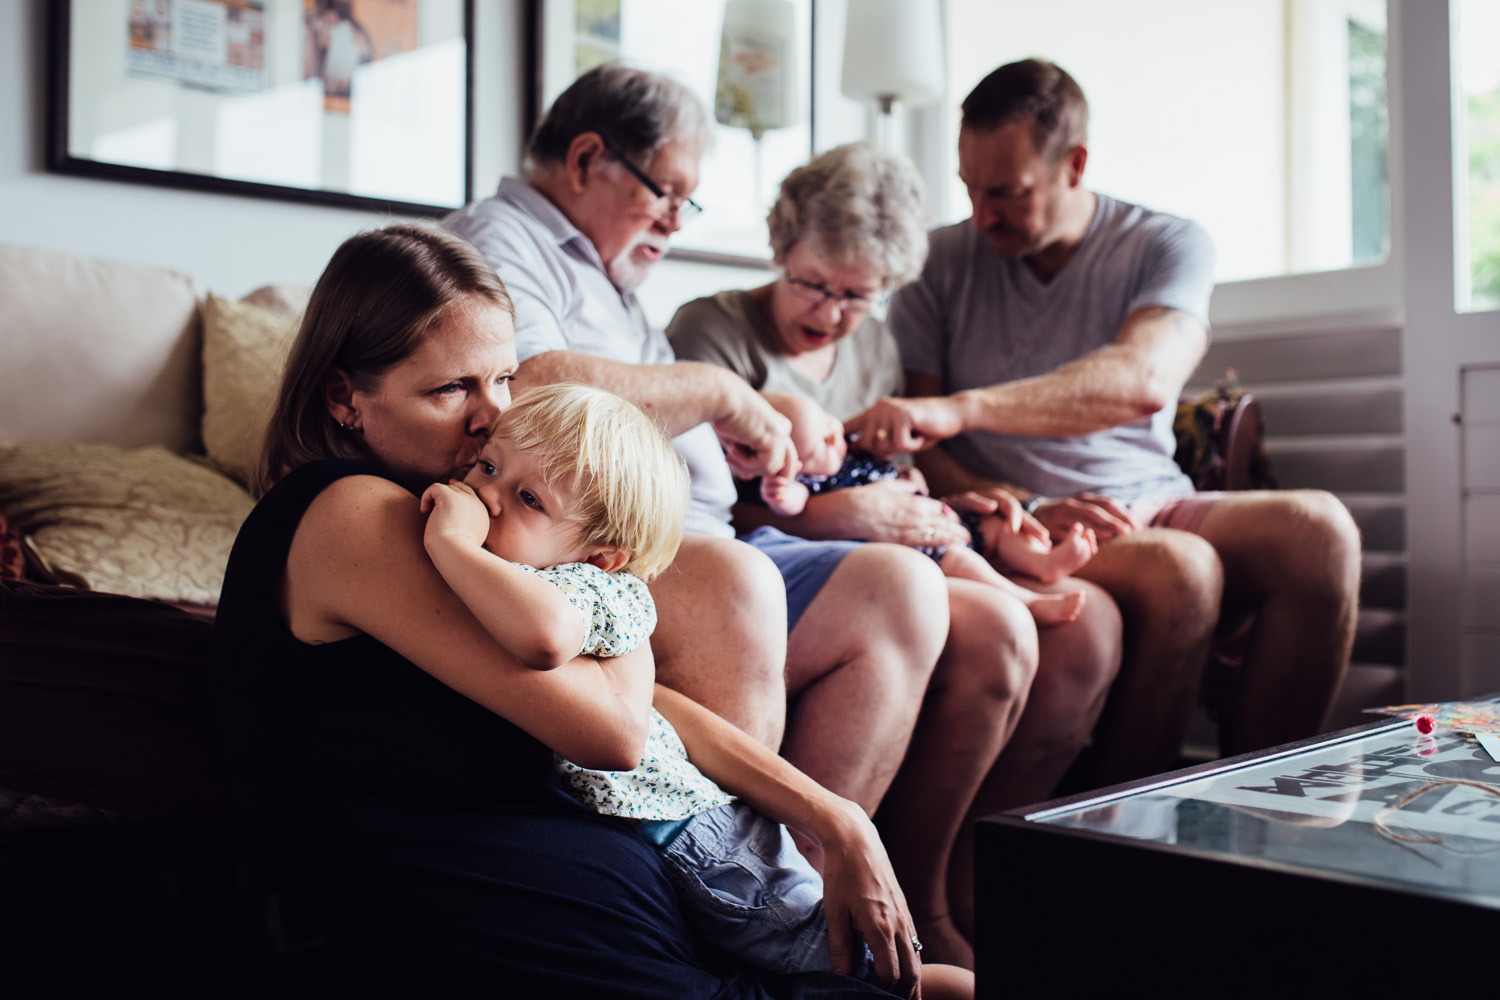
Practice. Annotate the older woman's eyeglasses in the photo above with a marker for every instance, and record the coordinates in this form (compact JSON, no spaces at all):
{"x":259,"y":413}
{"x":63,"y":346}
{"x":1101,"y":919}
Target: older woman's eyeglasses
{"x":686,"y":208}
{"x":816,"y":294}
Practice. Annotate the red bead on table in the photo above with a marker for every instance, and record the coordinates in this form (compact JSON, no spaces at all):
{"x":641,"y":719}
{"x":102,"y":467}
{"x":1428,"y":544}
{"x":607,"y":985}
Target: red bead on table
{"x":1425,"y":724}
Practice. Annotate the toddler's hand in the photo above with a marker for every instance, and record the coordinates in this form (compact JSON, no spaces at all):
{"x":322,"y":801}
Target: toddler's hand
{"x":455,"y":512}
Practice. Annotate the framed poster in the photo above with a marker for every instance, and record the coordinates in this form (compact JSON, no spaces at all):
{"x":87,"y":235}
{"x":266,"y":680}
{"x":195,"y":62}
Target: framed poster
{"x":749,"y":61}
{"x":358,"y":103}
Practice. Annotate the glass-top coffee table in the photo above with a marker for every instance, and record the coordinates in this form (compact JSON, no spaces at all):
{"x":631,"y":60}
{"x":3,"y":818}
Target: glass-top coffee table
{"x":1258,"y":875}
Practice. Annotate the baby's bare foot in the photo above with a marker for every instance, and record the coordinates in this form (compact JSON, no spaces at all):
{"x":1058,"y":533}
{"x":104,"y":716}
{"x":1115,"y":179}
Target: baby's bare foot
{"x":1068,"y":555}
{"x":1056,"y":609}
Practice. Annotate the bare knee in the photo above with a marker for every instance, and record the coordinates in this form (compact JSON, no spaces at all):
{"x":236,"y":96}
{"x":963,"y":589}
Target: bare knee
{"x":1087,"y":650}
{"x":1170,"y":581}
{"x":890,"y":605}
{"x":992,"y":651}
{"x":1299,"y":548}
{"x":1322,"y":546}
{"x":717,"y":639}
{"x":914,"y":594}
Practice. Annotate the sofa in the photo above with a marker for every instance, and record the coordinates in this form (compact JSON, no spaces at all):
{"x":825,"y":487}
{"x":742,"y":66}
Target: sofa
{"x":130,"y":409}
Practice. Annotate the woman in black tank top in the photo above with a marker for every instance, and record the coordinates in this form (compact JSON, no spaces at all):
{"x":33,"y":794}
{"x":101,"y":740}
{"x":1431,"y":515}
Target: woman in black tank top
{"x":394,"y":763}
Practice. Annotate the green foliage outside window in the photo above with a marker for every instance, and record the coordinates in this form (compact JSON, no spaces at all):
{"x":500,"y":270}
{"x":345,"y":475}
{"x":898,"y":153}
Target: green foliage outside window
{"x":1484,"y":199}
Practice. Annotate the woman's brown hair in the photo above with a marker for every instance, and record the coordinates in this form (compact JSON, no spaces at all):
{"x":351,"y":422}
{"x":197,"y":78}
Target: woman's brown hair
{"x":369,"y":311}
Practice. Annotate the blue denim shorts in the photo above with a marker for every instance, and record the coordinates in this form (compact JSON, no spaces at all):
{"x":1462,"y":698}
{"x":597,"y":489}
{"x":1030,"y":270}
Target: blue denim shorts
{"x":745,"y":888}
{"x":805,"y":565}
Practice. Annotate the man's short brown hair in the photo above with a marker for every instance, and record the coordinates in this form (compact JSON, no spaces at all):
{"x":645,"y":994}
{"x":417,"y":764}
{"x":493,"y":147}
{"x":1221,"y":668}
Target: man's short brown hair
{"x":1035,"y":89}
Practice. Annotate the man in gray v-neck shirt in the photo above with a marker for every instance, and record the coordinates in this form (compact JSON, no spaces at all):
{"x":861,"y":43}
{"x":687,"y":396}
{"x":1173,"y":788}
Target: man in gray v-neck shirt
{"x":1050,"y":337}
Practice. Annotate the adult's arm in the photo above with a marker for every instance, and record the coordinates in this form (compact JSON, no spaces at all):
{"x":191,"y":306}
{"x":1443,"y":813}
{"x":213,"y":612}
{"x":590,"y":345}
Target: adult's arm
{"x":679,"y":396}
{"x":967,"y":490}
{"x":1127,"y":380}
{"x":892,"y":510}
{"x":357,"y":565}
{"x":862,"y":896}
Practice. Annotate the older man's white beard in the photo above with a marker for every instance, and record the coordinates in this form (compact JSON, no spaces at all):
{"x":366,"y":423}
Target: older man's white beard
{"x":625,"y":272}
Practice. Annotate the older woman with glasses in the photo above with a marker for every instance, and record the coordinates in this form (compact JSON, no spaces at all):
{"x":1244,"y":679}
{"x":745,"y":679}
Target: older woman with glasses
{"x":846,"y":230}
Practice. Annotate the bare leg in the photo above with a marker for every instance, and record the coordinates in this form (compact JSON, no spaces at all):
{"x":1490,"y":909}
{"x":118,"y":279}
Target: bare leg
{"x":1048,"y":609}
{"x":1036,"y":559}
{"x":1168,"y":586}
{"x":1292,"y":560}
{"x":946,"y":982}
{"x":1077,"y":663}
{"x":712,"y":642}
{"x":973,"y":704}
{"x":858,"y":663}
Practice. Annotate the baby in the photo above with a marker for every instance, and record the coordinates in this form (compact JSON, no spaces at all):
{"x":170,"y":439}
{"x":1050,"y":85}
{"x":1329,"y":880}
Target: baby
{"x":575,"y":499}
{"x":828,"y":465}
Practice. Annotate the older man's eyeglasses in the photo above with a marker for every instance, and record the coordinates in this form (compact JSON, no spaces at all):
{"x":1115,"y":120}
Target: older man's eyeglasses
{"x":816,"y":294}
{"x":685,"y":207}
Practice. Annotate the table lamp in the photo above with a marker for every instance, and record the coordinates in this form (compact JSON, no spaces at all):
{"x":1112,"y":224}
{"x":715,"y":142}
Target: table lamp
{"x":757,"y":87}
{"x":893,"y":52}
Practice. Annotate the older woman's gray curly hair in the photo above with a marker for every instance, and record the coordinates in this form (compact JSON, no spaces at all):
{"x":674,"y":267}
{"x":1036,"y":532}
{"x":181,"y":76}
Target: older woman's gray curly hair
{"x":855,"y":204}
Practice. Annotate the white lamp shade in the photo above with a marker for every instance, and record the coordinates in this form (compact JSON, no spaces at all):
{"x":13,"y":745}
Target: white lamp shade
{"x":893,"y":50}
{"x":757,"y":86}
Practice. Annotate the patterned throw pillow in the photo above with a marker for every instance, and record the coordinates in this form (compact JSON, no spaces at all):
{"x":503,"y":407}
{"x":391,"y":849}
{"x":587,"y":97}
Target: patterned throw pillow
{"x":244,"y":351}
{"x":12,"y":562}
{"x":144,"y":522}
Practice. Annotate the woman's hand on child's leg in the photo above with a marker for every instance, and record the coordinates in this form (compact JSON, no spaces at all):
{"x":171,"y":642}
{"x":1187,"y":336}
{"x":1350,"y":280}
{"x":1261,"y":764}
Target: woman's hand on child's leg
{"x":862,"y":900}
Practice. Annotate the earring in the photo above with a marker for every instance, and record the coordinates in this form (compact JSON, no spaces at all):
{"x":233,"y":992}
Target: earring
{"x":343,"y":426}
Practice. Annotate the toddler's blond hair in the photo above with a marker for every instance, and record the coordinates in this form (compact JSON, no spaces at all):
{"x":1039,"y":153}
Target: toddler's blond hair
{"x":630,"y":485}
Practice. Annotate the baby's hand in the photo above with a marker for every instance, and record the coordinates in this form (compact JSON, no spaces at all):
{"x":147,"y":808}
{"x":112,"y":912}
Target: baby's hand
{"x":456,"y":513}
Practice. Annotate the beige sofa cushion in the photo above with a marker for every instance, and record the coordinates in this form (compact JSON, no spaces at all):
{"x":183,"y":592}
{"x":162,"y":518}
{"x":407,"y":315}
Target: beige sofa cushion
{"x":289,"y":301}
{"x":97,"y":351}
{"x":142,"y":522}
{"x":244,"y":351}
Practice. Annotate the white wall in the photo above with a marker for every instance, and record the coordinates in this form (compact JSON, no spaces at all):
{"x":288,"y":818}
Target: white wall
{"x":1210,"y":90}
{"x":229,"y":244}
{"x":232,"y":244}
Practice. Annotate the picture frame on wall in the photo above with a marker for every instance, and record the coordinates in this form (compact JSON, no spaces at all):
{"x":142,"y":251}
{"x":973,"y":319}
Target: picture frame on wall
{"x":357,"y":103}
{"x":749,"y":61}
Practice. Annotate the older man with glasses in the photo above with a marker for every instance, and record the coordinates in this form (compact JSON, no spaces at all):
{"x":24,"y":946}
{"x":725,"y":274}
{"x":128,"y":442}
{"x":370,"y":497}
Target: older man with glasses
{"x":854,"y":633}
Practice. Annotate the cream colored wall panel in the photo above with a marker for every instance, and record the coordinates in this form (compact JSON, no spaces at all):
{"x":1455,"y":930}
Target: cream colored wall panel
{"x":1481,"y":653}
{"x":1481,"y":387}
{"x":1482,"y":597}
{"x":1481,"y":456}
{"x":1482,"y":529}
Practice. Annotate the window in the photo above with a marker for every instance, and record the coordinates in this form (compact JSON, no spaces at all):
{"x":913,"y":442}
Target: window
{"x":1476,"y":138}
{"x":1265,"y":122}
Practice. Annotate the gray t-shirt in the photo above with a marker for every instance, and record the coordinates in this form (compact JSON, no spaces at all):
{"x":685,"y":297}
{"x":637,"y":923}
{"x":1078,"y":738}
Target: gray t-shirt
{"x":975,"y":319}
{"x":566,"y":302}
{"x":729,"y":329}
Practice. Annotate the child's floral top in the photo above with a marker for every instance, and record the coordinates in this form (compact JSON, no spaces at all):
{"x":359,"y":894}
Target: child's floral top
{"x":619,"y":615}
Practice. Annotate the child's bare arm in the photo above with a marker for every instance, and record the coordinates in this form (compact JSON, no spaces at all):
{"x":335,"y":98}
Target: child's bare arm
{"x":527,"y":615}
{"x":784,"y":495}
{"x":862,"y":896}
